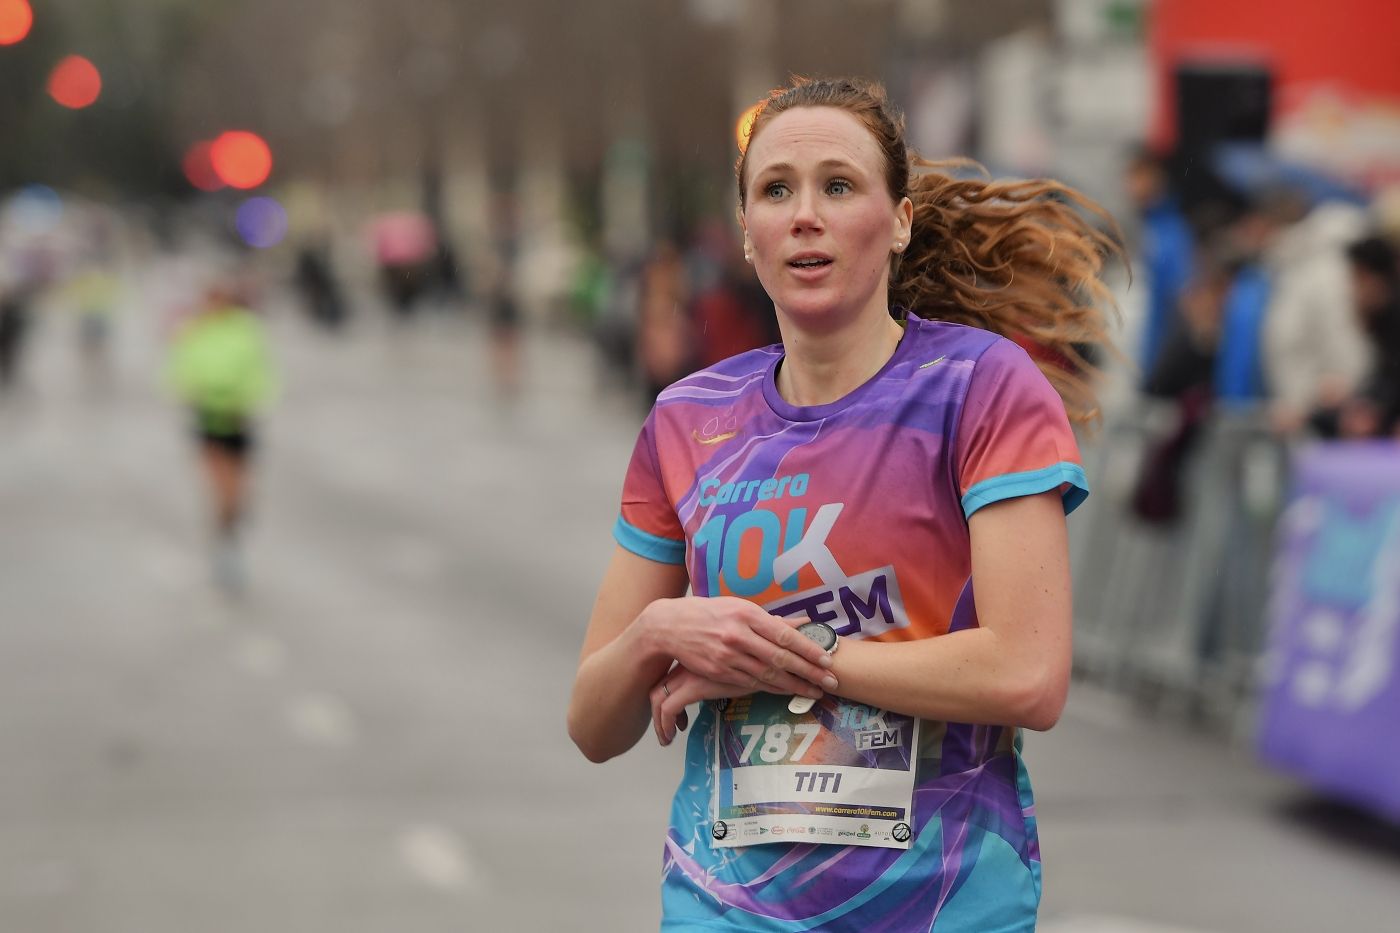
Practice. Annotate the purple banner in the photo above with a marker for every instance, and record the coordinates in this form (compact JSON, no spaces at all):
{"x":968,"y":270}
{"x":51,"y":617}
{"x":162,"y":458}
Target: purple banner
{"x":1330,"y":710}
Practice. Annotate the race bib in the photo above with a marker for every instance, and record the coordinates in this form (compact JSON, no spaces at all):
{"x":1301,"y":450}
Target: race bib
{"x":842,"y":774}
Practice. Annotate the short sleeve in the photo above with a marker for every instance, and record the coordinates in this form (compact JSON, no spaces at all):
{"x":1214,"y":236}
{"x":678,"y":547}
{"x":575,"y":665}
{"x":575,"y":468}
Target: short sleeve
{"x":647,"y":524}
{"x":1014,"y":438}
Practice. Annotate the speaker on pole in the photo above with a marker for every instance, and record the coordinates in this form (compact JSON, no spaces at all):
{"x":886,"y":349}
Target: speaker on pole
{"x":1216,"y":102}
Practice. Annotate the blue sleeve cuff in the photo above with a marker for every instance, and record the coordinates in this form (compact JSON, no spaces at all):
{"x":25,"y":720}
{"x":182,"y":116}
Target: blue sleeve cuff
{"x":650,"y":546}
{"x":1011,"y":485}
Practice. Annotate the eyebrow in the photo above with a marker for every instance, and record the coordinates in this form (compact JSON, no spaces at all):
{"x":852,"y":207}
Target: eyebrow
{"x":788,"y":166}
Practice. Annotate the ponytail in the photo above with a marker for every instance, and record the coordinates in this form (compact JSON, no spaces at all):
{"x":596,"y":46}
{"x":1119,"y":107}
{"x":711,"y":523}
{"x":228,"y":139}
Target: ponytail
{"x":1018,"y":258}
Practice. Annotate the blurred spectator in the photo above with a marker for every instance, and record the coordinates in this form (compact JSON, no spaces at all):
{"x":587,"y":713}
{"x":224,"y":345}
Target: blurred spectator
{"x":1166,"y":249}
{"x":14,"y":323}
{"x":94,"y":292}
{"x":616,"y":324}
{"x":502,"y":301}
{"x":1373,"y":410}
{"x":1184,"y":373}
{"x":664,"y":341}
{"x":1315,"y":351}
{"x":1250,"y":243}
{"x":315,"y":280}
{"x":728,"y":317}
{"x":444,"y":271}
{"x":504,"y":313}
{"x":220,"y":367}
{"x":404,"y":247}
{"x":30,"y":270}
{"x":1186,"y":363}
{"x":591,"y":288}
{"x":1239,"y":373}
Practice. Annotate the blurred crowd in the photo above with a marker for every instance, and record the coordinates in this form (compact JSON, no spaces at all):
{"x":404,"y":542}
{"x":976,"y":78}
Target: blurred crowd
{"x":691,"y":303}
{"x":49,"y":250}
{"x":1262,"y":339}
{"x":1278,"y":297}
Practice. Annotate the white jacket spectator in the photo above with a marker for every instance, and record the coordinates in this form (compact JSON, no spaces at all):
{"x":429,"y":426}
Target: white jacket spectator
{"x":1314,"y":349}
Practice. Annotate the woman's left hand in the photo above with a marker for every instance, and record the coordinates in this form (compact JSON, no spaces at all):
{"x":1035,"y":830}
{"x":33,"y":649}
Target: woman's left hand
{"x":678,"y":689}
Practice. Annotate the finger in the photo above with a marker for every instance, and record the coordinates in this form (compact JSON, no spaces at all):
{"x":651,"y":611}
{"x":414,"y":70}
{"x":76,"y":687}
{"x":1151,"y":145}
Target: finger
{"x":751,"y":673}
{"x":661,"y":720}
{"x":656,"y":700}
{"x":673,"y":708}
{"x":786,"y":671}
{"x":670,"y":709}
{"x":784,"y":660}
{"x":743,"y":668}
{"x":796,"y":654}
{"x":775,"y":680}
{"x":666,"y":722}
{"x":783,"y":632}
{"x":742,"y":673}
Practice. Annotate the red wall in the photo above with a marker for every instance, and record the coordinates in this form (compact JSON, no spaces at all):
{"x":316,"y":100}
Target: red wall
{"x":1353,"y":45}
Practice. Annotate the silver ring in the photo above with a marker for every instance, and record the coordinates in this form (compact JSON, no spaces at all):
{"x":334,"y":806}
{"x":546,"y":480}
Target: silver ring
{"x":665,"y":689}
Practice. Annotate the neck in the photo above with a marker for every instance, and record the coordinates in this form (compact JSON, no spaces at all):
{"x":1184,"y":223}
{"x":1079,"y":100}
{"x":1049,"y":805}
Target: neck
{"x":818,"y":369}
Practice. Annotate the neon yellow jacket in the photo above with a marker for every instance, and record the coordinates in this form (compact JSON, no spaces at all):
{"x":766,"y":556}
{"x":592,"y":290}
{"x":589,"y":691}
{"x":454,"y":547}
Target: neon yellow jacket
{"x":220,"y":366}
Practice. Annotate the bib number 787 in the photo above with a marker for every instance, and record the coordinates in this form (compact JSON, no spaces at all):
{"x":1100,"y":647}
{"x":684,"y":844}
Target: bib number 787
{"x":774,"y":743}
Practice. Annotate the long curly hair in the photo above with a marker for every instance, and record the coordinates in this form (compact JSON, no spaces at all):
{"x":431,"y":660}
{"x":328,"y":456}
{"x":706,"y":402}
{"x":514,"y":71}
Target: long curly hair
{"x":1019,"y":258}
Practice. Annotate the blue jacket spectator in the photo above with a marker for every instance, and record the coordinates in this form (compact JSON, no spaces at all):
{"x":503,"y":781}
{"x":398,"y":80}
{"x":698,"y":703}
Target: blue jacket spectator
{"x":1239,"y":369}
{"x":1167,"y":251}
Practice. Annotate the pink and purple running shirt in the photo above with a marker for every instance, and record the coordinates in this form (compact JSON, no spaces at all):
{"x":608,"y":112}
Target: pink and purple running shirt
{"x":855,"y":513}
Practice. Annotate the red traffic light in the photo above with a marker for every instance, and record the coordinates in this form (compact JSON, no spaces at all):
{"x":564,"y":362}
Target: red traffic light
{"x":15,"y":19}
{"x":75,"y":83}
{"x":241,"y":159}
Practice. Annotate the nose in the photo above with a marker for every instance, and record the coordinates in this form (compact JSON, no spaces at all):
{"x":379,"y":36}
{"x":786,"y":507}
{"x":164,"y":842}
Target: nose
{"x":806,"y":216}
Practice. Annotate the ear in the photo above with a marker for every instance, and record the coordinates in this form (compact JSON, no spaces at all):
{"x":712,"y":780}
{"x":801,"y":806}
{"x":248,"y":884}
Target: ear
{"x":903,"y":220}
{"x":744,"y":228}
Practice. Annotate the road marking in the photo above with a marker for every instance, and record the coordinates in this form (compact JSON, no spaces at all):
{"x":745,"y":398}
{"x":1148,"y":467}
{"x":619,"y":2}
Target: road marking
{"x":322,"y":719}
{"x":436,"y":856}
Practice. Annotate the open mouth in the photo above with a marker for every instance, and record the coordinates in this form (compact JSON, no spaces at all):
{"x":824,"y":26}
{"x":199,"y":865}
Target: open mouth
{"x":812,"y":262}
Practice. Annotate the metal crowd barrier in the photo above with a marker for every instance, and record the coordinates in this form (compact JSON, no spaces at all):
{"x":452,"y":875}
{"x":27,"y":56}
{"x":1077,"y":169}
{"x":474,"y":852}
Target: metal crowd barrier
{"x":1172,"y":612}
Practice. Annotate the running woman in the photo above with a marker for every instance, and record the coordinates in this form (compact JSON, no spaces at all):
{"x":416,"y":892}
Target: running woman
{"x":221,"y":368}
{"x":870,"y":520}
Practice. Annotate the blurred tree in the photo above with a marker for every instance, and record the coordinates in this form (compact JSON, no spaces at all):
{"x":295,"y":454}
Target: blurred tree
{"x":357,"y":97}
{"x":122,"y":144}
{"x":26,"y":112}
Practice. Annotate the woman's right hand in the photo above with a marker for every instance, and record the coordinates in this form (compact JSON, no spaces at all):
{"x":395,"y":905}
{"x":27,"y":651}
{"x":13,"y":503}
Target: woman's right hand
{"x":677,"y":690}
{"x":735,"y":642}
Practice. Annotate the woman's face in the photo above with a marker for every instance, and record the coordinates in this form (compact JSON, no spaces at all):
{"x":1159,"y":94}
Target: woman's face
{"x":818,"y":220}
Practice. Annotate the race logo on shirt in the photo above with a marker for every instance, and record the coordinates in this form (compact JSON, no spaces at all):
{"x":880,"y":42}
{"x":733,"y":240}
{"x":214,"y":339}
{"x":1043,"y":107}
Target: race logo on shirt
{"x":855,"y":605}
{"x":865,"y":604}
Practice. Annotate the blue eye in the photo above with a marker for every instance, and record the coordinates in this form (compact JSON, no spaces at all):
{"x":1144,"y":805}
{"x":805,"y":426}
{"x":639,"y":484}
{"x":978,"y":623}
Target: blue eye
{"x":838,"y":186}
{"x":774,"y":189}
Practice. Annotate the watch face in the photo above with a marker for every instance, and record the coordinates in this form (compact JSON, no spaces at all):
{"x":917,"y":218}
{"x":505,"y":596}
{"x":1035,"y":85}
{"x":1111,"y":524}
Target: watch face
{"x":819,"y":632}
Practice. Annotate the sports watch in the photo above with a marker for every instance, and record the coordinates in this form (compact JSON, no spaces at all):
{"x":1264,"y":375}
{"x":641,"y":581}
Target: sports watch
{"x":824,"y":635}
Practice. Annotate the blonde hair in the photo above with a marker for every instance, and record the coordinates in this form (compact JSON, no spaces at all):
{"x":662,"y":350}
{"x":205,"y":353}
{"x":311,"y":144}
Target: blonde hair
{"x":1019,"y":258}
